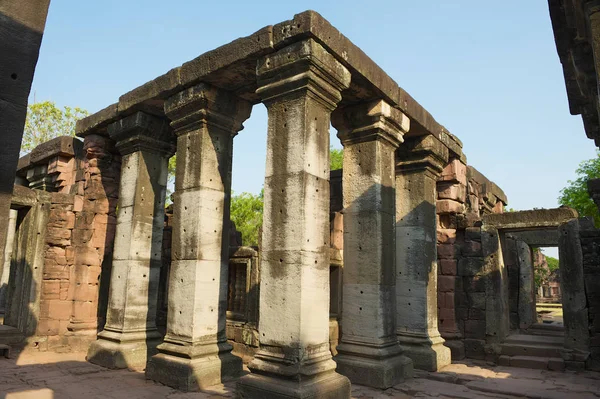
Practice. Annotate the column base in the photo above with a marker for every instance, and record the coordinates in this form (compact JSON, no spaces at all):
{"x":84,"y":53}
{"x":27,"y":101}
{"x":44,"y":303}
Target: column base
{"x":453,"y":340}
{"x":330,"y":385}
{"x":374,"y":367}
{"x":193,"y":368}
{"x":427,"y":352}
{"x":123,"y":350}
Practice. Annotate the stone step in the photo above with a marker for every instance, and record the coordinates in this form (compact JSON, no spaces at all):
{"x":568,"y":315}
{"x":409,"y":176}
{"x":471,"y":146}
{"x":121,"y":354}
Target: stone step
{"x":546,"y":329}
{"x":527,"y":339}
{"x":529,"y":350}
{"x":533,"y":362}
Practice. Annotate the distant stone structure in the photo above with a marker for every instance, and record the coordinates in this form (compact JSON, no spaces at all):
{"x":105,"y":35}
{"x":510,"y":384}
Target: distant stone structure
{"x":402,"y":260}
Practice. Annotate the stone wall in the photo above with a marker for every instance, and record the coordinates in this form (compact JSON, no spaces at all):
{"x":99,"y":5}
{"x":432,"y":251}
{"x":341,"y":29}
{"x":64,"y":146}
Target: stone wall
{"x":590,"y":247}
{"x":81,"y":178}
{"x":464,"y":195}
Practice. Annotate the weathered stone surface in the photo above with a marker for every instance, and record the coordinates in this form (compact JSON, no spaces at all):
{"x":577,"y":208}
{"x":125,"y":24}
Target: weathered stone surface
{"x":369,"y":353}
{"x":294,"y":294}
{"x":538,"y":218}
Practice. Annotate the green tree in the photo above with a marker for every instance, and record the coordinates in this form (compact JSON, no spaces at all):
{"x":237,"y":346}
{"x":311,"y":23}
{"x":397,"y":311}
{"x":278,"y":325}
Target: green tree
{"x":552,"y":263}
{"x":575,"y":194}
{"x":46,"y":121}
{"x":247,"y":214}
{"x":336,"y":158}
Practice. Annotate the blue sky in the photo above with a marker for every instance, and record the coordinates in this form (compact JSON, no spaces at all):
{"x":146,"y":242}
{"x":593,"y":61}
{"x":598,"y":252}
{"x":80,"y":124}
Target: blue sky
{"x":488,"y":71}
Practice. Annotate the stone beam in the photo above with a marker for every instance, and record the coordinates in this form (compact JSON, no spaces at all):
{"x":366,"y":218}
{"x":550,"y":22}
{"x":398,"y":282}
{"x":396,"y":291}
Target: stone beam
{"x":537,"y":237}
{"x":300,"y":86}
{"x":130,"y":336}
{"x":232,"y":67}
{"x":420,"y":161}
{"x":369,"y":353}
{"x":195,"y":353}
{"x":528,"y":220}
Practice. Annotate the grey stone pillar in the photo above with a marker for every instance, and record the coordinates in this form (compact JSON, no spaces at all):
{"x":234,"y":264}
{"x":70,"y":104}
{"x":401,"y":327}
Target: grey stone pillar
{"x":300,"y":85}
{"x":369,"y":353}
{"x":130,"y":335}
{"x":420,"y":161}
{"x":8,"y":250}
{"x":195,"y":353}
{"x":526,"y":305}
{"x":497,"y":318}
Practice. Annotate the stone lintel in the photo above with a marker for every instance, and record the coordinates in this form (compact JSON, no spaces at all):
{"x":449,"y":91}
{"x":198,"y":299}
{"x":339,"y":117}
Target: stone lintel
{"x":537,"y":237}
{"x":454,"y":145}
{"x":97,"y":122}
{"x":488,"y":187}
{"x":23,"y":197}
{"x":375,"y":120}
{"x":142,"y":132}
{"x":202,"y":105}
{"x":528,"y":220}
{"x":303,"y":66}
{"x":60,"y":146}
{"x":232,"y":67}
{"x":423,"y":152}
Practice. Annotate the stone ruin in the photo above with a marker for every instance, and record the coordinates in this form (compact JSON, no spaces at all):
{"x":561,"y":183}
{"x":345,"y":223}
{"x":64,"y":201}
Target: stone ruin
{"x":404,"y":260}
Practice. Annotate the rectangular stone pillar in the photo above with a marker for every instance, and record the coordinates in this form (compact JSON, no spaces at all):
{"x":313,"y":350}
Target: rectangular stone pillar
{"x":8,"y":250}
{"x":300,"y":85}
{"x":195,"y":353}
{"x":419,"y":163}
{"x":526,"y":302}
{"x":130,"y":336}
{"x":369,"y":353}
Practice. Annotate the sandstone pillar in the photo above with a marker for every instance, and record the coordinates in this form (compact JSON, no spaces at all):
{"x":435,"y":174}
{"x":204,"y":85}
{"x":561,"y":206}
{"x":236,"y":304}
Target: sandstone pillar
{"x":22,"y":26}
{"x":93,"y":236}
{"x":195,"y":353}
{"x":420,"y":161}
{"x":8,"y":250}
{"x":526,"y":299}
{"x":369,"y":353}
{"x":300,"y":85}
{"x":130,"y":333}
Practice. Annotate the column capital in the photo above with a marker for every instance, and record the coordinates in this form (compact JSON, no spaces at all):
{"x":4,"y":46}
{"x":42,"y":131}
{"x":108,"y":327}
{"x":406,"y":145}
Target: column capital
{"x":199,"y":106}
{"x":302,"y":68}
{"x":371,"y":121}
{"x":421,"y":153}
{"x":142,"y":132}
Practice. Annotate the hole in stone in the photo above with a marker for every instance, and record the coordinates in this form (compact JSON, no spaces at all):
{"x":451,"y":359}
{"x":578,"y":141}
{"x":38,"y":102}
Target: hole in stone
{"x":180,"y":312}
{"x":361,"y":292}
{"x":14,"y":76}
{"x":298,"y":25}
{"x":315,"y":262}
{"x":144,"y":276}
{"x":409,"y":304}
{"x":359,"y":308}
{"x":280,"y":260}
{"x":263,"y":334}
{"x":182,"y":280}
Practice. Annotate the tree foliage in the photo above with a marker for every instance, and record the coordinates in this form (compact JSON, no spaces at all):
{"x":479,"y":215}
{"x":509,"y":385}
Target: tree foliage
{"x":247,"y":214}
{"x":336,"y":158}
{"x":575,"y":194}
{"x":46,"y":121}
{"x":552,"y":263}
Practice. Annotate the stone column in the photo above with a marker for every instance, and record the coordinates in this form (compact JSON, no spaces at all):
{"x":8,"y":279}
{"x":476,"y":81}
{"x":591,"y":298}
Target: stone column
{"x":130,"y":334}
{"x":195,"y":353}
{"x":420,"y":161}
{"x":8,"y":250}
{"x":300,"y":85}
{"x":526,"y":299}
{"x":369,"y":353}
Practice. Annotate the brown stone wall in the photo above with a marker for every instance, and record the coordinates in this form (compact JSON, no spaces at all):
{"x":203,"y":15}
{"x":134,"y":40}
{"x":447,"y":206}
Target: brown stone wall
{"x":56,"y":301}
{"x":93,"y":236}
{"x":464,"y":195}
